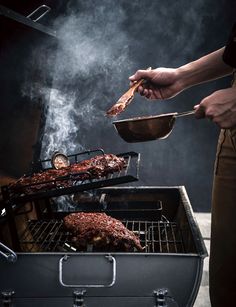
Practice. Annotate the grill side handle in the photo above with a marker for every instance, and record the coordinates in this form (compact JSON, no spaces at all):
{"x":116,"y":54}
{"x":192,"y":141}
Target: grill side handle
{"x":108,"y":257}
{"x":7,"y":253}
{"x":44,"y":8}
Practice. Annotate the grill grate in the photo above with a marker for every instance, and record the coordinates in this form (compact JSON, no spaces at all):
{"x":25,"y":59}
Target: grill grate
{"x":128,"y":174}
{"x":51,"y":236}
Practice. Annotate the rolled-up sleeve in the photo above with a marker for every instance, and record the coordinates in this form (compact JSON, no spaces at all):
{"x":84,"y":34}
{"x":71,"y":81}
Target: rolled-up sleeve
{"x":229,"y":55}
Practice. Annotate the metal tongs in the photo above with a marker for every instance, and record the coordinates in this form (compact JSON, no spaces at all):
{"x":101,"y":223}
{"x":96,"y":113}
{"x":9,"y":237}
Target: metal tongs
{"x":125,"y":99}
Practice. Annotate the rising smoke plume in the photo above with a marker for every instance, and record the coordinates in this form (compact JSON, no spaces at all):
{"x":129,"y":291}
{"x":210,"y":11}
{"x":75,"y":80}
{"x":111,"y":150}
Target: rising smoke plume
{"x":99,"y":45}
{"x":91,"y":56}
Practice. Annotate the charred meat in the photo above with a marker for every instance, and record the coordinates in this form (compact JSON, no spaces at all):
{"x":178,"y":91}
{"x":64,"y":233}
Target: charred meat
{"x":101,"y":231}
{"x":96,"y":167}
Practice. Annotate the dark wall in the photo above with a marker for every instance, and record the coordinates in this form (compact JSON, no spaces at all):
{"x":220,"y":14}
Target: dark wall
{"x":22,"y":111}
{"x":100,"y":44}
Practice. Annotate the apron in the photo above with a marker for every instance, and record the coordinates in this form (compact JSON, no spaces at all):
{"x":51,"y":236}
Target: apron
{"x":222,"y":267}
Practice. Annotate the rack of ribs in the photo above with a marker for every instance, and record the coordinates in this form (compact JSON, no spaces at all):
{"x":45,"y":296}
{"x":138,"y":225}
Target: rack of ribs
{"x":96,"y":167}
{"x":101,"y":231}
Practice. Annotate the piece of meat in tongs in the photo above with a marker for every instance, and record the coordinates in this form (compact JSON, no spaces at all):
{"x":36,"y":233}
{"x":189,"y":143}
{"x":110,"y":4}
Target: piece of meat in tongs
{"x":125,"y":99}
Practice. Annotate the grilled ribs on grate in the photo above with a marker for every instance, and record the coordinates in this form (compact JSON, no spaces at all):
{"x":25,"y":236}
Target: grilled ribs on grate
{"x":101,"y":231}
{"x":96,"y":167}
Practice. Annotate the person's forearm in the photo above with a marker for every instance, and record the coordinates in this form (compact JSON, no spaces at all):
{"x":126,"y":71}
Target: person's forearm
{"x":209,"y":67}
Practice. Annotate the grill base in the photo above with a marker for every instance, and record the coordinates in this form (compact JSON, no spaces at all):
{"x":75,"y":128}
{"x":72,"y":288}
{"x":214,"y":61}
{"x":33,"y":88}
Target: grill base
{"x":138,"y":276}
{"x":93,"y":302}
{"x":35,"y":277}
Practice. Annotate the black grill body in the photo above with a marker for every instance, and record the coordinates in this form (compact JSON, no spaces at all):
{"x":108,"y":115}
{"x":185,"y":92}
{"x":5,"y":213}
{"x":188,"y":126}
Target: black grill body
{"x":168,"y":271}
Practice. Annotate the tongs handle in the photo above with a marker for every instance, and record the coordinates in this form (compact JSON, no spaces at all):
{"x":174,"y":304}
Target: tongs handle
{"x":185,"y":113}
{"x":7,"y":253}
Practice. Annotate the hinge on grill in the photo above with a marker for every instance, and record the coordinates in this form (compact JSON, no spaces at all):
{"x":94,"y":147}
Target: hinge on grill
{"x":7,"y":298}
{"x":79,"y":298}
{"x":160,"y":296}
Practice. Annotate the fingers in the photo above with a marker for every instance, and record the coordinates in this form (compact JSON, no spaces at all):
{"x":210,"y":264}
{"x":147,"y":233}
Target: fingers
{"x":147,"y":93}
{"x":199,"y":111}
{"x":144,"y":91}
{"x":141,"y":74}
{"x":225,"y":120}
{"x":147,"y":89}
{"x":206,"y":108}
{"x":140,"y":90}
{"x":211,"y":108}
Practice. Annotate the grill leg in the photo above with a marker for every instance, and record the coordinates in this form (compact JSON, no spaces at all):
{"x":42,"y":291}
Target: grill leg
{"x":7,"y":298}
{"x":163,"y":299}
{"x":79,"y":298}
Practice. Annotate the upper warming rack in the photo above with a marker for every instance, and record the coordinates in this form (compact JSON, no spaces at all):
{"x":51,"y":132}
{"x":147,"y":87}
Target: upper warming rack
{"x":72,"y":183}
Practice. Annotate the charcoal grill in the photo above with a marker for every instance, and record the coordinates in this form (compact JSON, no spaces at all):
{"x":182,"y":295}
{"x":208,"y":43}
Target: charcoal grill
{"x":39,"y":264}
{"x":168,"y":271}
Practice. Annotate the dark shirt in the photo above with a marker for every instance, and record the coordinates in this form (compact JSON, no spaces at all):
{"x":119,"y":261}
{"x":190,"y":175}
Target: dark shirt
{"x":229,"y":55}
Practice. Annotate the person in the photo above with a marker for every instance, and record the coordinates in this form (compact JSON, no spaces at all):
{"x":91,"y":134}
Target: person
{"x":220,"y":108}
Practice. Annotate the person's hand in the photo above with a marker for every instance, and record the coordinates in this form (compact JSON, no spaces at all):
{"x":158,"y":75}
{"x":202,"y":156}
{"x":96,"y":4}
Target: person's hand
{"x":220,"y":107}
{"x":160,"y":83}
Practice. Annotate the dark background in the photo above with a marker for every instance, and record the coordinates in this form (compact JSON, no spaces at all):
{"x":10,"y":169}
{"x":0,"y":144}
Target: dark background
{"x":99,"y":45}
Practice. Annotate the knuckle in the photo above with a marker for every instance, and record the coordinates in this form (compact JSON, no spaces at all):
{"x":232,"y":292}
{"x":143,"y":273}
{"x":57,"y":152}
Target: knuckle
{"x":204,"y":103}
{"x":209,"y":114}
{"x":218,"y":93}
{"x":138,"y":73}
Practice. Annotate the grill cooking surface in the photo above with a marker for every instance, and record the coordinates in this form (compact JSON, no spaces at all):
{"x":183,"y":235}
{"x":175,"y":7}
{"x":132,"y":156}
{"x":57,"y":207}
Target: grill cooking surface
{"x":51,"y":236}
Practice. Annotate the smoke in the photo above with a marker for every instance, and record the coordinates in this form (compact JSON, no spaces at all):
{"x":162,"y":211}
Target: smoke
{"x":61,"y":129}
{"x":98,"y":48}
{"x":101,"y":44}
{"x":91,"y":55}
